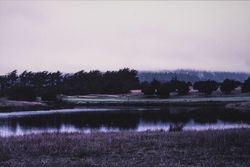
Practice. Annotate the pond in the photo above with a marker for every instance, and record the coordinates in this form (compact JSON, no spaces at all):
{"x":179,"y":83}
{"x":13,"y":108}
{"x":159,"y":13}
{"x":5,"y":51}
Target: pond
{"x":89,"y":120}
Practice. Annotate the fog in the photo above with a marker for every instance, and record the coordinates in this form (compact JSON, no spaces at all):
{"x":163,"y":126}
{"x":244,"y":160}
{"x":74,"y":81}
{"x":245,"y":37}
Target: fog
{"x":108,"y":35}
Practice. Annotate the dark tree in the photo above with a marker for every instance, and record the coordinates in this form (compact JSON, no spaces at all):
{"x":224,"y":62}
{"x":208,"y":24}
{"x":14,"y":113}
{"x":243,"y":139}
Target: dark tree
{"x":156,"y":84}
{"x":206,"y":87}
{"x":246,"y":86}
{"x":22,"y":93}
{"x":12,"y":78}
{"x":128,"y":78}
{"x":183,"y":88}
{"x":228,"y":86}
{"x":49,"y":85}
{"x":147,"y":89}
{"x":165,"y":89}
{"x":3,"y":85}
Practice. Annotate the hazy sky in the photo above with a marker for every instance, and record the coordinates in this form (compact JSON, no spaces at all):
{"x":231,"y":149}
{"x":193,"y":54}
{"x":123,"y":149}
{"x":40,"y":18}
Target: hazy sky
{"x":107,"y":35}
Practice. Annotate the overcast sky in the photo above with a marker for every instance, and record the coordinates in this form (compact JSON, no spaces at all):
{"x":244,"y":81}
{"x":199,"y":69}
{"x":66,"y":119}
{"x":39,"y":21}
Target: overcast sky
{"x":144,"y":35}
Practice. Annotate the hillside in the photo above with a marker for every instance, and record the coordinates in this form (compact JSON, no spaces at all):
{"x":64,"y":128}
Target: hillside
{"x":192,"y":75}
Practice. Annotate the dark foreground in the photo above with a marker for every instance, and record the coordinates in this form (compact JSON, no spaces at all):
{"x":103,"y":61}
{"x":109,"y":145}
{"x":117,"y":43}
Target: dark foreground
{"x":207,"y":148}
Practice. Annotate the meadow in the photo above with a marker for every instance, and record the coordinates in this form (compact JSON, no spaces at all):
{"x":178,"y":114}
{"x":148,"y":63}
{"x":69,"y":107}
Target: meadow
{"x":151,"y":148}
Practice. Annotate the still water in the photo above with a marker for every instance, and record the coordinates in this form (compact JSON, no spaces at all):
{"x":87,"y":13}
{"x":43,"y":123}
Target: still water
{"x":89,"y":120}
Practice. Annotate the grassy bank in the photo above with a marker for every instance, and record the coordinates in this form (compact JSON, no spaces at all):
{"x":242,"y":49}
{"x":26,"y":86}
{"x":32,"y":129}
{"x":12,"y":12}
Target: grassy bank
{"x":11,"y":105}
{"x":95,"y":100}
{"x":207,"y":148}
{"x":240,"y":103}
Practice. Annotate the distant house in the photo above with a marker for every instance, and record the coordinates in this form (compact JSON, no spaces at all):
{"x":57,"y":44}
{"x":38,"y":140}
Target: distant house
{"x":217,"y":92}
{"x":237,"y":90}
{"x":136,"y":91}
{"x":192,"y":90}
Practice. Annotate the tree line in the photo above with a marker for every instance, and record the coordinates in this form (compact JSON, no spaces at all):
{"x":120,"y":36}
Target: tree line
{"x":29,"y":85}
{"x":182,"y":88}
{"x":47,"y":85}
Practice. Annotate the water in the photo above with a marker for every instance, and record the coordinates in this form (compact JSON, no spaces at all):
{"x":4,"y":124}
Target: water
{"x":89,"y":120}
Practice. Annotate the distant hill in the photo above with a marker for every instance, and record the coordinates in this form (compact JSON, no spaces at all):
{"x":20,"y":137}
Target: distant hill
{"x":192,"y":75}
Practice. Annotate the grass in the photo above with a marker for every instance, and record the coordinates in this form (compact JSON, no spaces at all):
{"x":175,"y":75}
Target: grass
{"x":11,"y":105}
{"x":145,"y":149}
{"x":232,"y":102}
{"x":142,"y":101}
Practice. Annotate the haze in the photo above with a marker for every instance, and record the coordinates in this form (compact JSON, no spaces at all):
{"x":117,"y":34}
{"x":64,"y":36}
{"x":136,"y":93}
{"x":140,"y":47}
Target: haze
{"x":108,"y":35}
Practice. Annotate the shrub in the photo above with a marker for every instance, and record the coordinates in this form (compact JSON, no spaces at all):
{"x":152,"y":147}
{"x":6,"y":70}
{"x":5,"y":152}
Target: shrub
{"x":246,"y":86}
{"x":228,"y":85}
{"x":148,"y":89}
{"x":165,"y":89}
{"x":22,"y":93}
{"x":206,"y":87}
{"x":182,"y":87}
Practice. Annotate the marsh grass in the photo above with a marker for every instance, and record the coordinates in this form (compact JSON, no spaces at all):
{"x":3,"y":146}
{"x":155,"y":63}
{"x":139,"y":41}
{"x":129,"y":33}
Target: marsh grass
{"x":208,"y":148}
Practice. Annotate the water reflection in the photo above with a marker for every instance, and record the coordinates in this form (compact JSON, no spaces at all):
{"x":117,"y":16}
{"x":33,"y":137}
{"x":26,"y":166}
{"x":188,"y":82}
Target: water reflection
{"x":117,"y":119}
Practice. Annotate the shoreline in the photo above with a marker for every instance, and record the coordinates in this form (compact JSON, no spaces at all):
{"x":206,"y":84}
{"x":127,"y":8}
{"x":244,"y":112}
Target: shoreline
{"x":69,"y":102}
{"x":18,"y":106}
{"x":93,"y":100}
{"x":56,"y":106}
{"x":153,"y":148}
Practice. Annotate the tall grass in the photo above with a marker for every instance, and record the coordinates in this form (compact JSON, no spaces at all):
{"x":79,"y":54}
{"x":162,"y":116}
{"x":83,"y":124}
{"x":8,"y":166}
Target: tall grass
{"x":209,"y":148}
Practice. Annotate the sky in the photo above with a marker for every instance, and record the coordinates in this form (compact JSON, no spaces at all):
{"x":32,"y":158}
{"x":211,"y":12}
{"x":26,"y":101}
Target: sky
{"x":108,"y":35}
